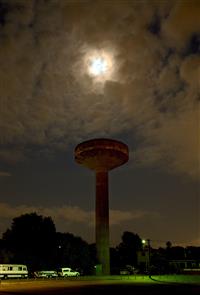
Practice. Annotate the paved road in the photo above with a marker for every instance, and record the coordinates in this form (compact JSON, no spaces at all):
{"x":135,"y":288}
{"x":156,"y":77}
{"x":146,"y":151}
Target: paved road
{"x":95,"y":287}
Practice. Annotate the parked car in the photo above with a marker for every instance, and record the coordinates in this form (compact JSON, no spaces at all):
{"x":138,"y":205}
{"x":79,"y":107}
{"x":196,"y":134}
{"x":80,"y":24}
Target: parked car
{"x":67,"y":272}
{"x":45,"y":274}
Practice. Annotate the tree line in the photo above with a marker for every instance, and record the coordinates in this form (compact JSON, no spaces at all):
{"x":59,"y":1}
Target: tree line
{"x":33,"y":240}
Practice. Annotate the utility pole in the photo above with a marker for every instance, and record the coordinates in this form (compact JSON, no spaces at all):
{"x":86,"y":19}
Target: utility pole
{"x":149,"y":254}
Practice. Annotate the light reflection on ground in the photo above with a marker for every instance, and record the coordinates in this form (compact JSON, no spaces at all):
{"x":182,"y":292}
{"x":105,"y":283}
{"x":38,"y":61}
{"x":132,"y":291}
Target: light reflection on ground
{"x":128,"y":285}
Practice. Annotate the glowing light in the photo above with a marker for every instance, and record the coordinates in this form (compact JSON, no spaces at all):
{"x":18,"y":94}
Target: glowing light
{"x":98,"y":66}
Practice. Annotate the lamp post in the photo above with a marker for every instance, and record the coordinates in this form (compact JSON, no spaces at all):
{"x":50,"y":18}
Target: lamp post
{"x":148,"y":256}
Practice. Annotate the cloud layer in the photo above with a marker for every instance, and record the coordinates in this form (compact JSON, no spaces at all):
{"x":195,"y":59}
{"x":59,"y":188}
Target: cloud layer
{"x":48,"y":100}
{"x":69,"y":215}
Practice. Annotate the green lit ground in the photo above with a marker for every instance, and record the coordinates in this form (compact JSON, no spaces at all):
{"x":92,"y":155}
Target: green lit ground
{"x":179,"y":279}
{"x":118,"y":285}
{"x":183,"y":279}
{"x":129,"y":279}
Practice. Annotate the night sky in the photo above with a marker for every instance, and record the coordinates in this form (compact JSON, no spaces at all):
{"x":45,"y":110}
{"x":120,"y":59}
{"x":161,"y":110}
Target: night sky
{"x":148,"y":97}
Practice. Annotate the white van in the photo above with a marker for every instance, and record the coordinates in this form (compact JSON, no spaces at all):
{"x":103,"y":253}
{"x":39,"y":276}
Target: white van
{"x":67,"y":272}
{"x":13,"y":271}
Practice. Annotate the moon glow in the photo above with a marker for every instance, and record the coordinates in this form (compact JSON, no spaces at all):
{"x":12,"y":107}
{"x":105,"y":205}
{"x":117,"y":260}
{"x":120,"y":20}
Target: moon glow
{"x":98,"y":66}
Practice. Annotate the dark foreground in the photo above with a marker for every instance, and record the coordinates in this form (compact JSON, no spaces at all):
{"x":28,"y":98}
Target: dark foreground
{"x":97,"y":287}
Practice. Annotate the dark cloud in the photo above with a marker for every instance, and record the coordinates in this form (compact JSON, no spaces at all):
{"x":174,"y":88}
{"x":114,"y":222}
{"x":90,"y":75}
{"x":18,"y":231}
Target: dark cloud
{"x":194,"y":45}
{"x":4,"y":8}
{"x":155,"y":25}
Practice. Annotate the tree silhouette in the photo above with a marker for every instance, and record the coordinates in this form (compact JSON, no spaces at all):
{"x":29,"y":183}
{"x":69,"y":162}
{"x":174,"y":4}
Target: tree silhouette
{"x":131,"y":243}
{"x":31,"y":239}
{"x":74,"y":252}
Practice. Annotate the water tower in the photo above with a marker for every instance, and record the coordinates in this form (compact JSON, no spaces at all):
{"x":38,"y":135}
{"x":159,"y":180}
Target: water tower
{"x":102,"y":155}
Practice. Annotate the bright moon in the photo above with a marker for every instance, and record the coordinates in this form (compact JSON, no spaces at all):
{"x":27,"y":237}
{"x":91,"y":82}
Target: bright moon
{"x":98,"y":66}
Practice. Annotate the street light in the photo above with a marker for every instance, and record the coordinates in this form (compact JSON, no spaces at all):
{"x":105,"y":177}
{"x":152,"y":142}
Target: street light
{"x":148,"y":258}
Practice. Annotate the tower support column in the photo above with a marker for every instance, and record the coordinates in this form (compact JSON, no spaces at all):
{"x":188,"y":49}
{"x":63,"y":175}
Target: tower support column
{"x":102,"y":221}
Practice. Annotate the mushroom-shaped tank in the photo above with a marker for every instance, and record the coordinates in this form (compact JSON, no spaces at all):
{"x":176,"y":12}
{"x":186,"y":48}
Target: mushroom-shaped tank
{"x":101,"y":154}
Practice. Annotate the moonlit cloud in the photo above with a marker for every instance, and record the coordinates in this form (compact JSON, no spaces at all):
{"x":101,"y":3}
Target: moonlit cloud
{"x":69,"y":215}
{"x":49,"y":100}
{"x":182,"y":23}
{"x":4,"y":174}
{"x":118,"y":216}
